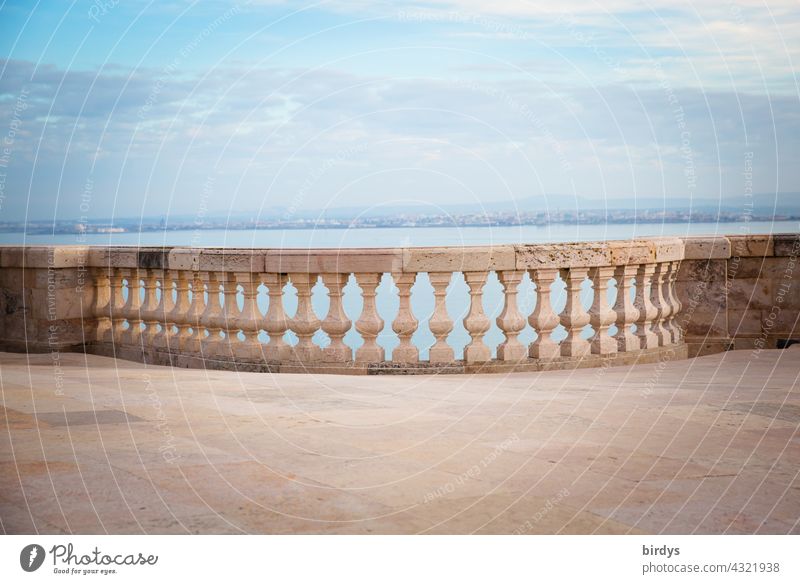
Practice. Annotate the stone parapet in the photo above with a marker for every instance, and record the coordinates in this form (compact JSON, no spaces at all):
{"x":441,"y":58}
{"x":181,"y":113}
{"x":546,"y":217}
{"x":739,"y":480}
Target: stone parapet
{"x":189,"y":306}
{"x":740,"y":291}
{"x":47,"y":296}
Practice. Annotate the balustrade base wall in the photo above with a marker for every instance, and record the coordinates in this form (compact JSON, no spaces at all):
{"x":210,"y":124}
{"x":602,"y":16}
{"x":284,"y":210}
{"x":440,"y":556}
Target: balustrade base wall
{"x":739,"y":292}
{"x":162,"y":357}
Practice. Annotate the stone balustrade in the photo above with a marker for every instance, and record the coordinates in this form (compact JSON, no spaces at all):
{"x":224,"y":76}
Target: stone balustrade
{"x":252,"y":309}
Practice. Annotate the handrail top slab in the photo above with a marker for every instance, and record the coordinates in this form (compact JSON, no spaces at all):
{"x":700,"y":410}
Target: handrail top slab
{"x":400,"y":260}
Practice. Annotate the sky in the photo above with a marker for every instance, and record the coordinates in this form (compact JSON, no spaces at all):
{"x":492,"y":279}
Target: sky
{"x":132,"y":108}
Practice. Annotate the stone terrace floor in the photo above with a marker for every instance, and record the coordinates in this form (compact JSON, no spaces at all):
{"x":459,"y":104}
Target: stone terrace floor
{"x":710,"y":445}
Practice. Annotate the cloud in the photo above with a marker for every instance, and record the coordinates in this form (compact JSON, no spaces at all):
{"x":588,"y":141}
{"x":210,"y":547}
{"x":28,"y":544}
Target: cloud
{"x":149,"y":141}
{"x":742,"y":46}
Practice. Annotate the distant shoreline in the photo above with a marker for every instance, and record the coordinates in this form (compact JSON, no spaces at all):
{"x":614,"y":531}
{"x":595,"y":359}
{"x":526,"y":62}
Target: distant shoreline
{"x":122,"y":229}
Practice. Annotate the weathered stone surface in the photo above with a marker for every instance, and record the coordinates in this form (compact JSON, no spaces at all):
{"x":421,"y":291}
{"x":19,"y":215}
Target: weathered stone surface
{"x":761,"y":268}
{"x":781,"y":322}
{"x":631,"y":252}
{"x":667,"y":249}
{"x":47,"y":334}
{"x":54,"y":278}
{"x":751,"y":293}
{"x":563,"y":255}
{"x":11,"y":256}
{"x":458,"y":259}
{"x":786,"y":292}
{"x":751,"y":245}
{"x":232,"y":260}
{"x":184,"y":259}
{"x":701,"y":346}
{"x":745,"y":322}
{"x":70,"y":256}
{"x":706,"y":247}
{"x":333,"y":261}
{"x":114,"y":257}
{"x":13,"y":279}
{"x":701,"y":290}
{"x":786,"y":244}
{"x":153,"y":258}
{"x":704,"y":271}
{"x":40,"y":256}
{"x":15,"y":309}
{"x":61,"y":303}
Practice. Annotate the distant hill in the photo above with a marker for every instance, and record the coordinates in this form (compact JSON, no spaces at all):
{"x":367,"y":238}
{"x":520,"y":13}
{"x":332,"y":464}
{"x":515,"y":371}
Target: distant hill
{"x":762,"y":204}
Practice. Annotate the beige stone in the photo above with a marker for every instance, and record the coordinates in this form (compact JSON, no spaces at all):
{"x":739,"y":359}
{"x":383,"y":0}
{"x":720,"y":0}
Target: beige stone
{"x":11,"y":256}
{"x":631,"y":252}
{"x":757,"y":267}
{"x":751,"y":293}
{"x":62,"y":256}
{"x":41,"y":256}
{"x":668,"y":249}
{"x":706,"y":247}
{"x":335,"y":261}
{"x":114,"y":257}
{"x":62,"y":303}
{"x":184,"y":259}
{"x":751,"y":245}
{"x":231,"y":260}
{"x":458,"y":259}
{"x":716,"y":298}
{"x":563,"y":255}
{"x":745,"y":322}
{"x":786,"y":244}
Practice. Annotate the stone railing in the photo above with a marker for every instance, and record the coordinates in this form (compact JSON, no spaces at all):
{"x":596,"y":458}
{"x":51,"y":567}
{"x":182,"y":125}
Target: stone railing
{"x":320,"y":310}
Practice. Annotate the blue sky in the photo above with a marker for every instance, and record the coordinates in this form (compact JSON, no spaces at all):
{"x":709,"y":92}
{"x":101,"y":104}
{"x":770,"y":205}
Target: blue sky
{"x":139,"y":108}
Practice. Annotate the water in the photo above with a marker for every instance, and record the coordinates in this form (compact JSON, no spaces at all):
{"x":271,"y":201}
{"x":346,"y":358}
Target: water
{"x":422,"y":292}
{"x":405,"y":237}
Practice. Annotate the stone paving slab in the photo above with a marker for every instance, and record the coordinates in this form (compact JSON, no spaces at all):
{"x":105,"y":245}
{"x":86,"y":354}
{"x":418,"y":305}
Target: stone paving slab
{"x":707,"y":445}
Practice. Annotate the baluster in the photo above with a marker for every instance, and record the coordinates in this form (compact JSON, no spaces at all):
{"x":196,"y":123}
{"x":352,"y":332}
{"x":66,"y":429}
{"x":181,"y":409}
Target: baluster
{"x":678,"y":304}
{"x":440,"y":323}
{"x":510,"y":321}
{"x":476,"y":322}
{"x":249,"y":320}
{"x":179,"y":312}
{"x":124,"y":311}
{"x":574,"y":317}
{"x":405,"y":324}
{"x":305,"y":321}
{"x":149,"y":314}
{"x":164,"y":310}
{"x":213,"y":317}
{"x":676,"y":334}
{"x":647,"y":312}
{"x":659,"y":304}
{"x":336,"y":323}
{"x":624,"y":309}
{"x":601,"y":316}
{"x":543,"y":319}
{"x":196,"y":309}
{"x":116,"y":308}
{"x":230,"y":315}
{"x":133,"y":336}
{"x":369,"y":324}
{"x":275,"y":322}
{"x":102,"y":305}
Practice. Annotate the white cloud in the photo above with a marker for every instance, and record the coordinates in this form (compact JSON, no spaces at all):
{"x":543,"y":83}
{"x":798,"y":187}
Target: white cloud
{"x":262,"y":132}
